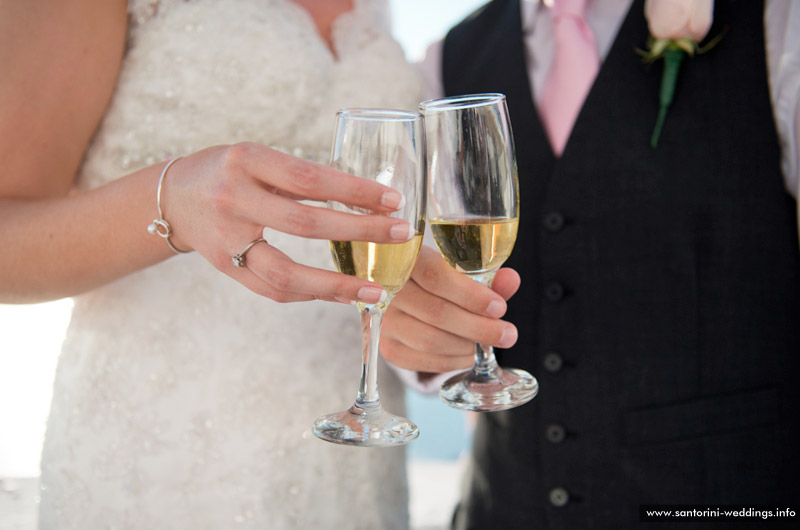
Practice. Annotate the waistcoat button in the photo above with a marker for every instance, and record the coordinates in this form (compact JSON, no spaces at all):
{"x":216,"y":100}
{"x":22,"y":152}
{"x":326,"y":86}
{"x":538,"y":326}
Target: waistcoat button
{"x":555,"y":433}
{"x":553,"y":362}
{"x":554,"y":291}
{"x":558,"y":497}
{"x":553,"y":222}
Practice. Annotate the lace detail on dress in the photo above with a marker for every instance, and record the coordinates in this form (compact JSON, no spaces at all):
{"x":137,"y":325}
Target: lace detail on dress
{"x":140,"y":11}
{"x":183,"y":400}
{"x":236,"y":64}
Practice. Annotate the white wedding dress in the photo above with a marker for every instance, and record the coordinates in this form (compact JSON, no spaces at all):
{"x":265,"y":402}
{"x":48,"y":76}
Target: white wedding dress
{"x":182,"y":400}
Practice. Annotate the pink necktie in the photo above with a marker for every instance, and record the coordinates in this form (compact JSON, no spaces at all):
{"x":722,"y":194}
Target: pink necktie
{"x":574,"y":67}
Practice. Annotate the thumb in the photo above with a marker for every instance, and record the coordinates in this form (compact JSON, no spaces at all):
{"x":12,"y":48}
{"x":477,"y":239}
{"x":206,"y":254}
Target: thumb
{"x":506,"y":282}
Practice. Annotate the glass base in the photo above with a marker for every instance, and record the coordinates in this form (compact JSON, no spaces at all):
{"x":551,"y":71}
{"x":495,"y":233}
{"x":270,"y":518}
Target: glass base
{"x":502,"y":389}
{"x":365,"y":428}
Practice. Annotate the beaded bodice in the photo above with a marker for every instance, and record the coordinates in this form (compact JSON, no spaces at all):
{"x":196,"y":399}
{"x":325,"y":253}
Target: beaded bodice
{"x":255,"y":70}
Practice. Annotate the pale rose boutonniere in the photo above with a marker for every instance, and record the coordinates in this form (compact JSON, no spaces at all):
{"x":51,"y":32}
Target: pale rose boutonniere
{"x":676,"y":29}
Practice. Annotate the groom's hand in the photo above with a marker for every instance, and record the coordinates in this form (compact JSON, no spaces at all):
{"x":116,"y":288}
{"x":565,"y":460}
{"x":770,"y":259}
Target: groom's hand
{"x":434,"y":322}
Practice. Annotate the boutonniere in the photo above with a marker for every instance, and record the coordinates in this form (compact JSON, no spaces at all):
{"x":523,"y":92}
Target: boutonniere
{"x":676,"y":29}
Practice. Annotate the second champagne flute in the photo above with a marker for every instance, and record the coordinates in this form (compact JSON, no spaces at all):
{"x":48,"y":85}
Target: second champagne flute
{"x":474,"y":214}
{"x":386,"y":146}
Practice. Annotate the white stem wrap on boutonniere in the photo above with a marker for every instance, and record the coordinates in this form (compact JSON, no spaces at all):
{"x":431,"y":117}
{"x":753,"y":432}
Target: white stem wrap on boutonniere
{"x":676,"y":29}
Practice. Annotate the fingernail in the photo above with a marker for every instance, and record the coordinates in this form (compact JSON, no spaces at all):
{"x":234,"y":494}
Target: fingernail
{"x":402,"y":231}
{"x":372,"y":295}
{"x":496,"y":309}
{"x":508,"y":338}
{"x":393,"y":199}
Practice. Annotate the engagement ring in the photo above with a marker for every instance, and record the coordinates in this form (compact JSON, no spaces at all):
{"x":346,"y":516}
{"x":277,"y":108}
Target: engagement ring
{"x":239,"y":259}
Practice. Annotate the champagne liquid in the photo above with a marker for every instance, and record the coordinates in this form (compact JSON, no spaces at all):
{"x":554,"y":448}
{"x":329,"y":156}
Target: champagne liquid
{"x":475,"y":245}
{"x":390,"y":265}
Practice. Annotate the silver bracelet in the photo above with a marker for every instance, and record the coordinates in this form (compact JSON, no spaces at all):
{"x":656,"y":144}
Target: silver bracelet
{"x":160,"y":226}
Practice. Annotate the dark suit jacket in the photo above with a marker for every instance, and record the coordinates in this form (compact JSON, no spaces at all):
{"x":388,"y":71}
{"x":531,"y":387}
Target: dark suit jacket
{"x":660,"y":299}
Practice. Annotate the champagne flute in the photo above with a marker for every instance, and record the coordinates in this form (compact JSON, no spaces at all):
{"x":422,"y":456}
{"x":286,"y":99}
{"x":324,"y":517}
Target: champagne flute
{"x":386,"y":146}
{"x":473,"y":214}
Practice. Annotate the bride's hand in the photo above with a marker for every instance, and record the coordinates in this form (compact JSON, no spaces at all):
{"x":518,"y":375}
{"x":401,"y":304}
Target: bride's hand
{"x":433,"y":323}
{"x":219,"y":199}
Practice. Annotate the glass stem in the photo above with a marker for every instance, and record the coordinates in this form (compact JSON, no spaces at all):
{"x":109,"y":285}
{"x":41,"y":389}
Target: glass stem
{"x":485,"y":361}
{"x":371,"y":318}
